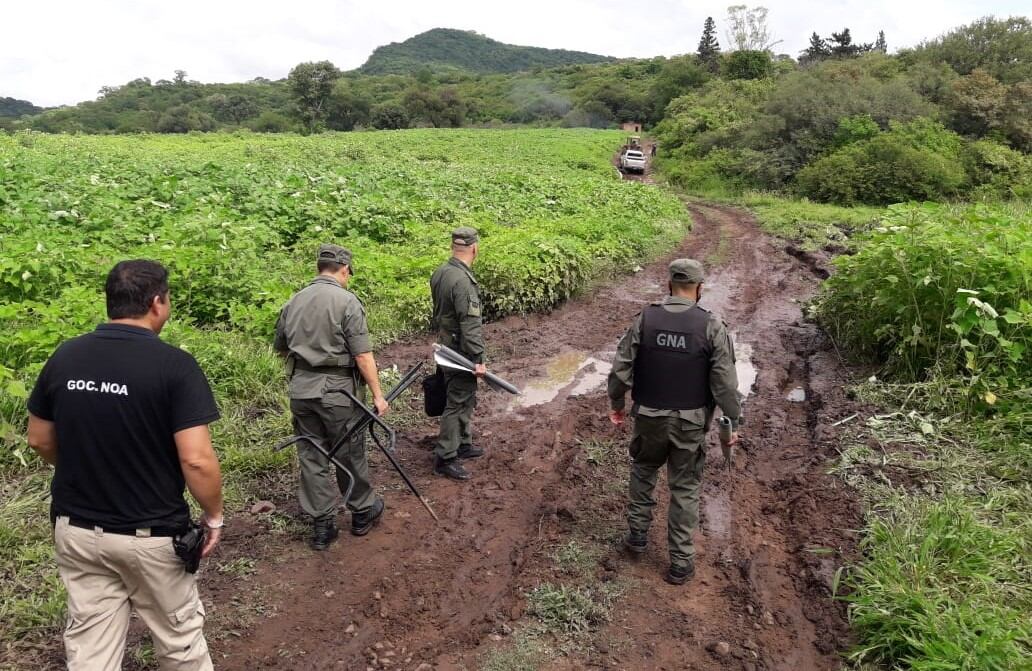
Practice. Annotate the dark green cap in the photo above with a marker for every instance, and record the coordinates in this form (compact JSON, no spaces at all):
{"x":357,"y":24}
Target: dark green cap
{"x":686,"y":270}
{"x":337,"y":254}
{"x":465,"y":236}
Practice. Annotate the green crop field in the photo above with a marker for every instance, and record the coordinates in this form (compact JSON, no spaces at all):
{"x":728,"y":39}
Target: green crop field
{"x":237,"y":219}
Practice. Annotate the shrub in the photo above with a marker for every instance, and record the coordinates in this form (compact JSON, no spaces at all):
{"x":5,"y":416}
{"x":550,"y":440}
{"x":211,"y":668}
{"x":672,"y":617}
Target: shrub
{"x":389,"y":117}
{"x":941,"y":291}
{"x":715,"y":115}
{"x":748,"y":64}
{"x":855,"y":129}
{"x":996,"y":171}
{"x":183,"y":119}
{"x":271,"y":122}
{"x":802,"y":115}
{"x":915,"y":161}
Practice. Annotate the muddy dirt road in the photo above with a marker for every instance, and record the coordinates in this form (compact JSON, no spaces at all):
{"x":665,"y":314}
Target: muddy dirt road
{"x":442,"y":596}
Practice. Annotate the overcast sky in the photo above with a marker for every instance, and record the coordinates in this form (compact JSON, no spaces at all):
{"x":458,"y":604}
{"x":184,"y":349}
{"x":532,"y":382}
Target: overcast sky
{"x":54,"y":53}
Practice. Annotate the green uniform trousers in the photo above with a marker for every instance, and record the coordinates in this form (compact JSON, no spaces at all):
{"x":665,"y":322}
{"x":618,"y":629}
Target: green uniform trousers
{"x":317,"y":494}
{"x":679,"y":444}
{"x":458,"y":411}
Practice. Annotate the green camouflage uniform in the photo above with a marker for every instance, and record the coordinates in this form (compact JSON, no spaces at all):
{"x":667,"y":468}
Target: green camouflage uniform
{"x":322,"y":328}
{"x":674,"y":437}
{"x":458,"y":320}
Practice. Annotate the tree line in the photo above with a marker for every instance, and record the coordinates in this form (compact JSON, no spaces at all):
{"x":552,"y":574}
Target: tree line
{"x":849,"y":123}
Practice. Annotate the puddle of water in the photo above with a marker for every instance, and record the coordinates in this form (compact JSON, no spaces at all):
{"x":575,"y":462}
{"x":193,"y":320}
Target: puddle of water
{"x":744,"y":366}
{"x":581,"y":373}
{"x":797,"y":395}
{"x":594,"y":373}
{"x":716,"y":294}
{"x":717,"y":509}
{"x":585,"y":372}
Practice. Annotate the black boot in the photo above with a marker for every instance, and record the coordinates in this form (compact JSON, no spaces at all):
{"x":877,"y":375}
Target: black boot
{"x":636,"y":541}
{"x":324,"y":532}
{"x":450,"y":468}
{"x":470,"y":452}
{"x":679,"y":575}
{"x":362,"y":522}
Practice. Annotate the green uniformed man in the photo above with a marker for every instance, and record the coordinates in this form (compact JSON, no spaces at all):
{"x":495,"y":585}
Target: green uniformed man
{"x":458,"y":320}
{"x":678,"y":361}
{"x":322,"y":332}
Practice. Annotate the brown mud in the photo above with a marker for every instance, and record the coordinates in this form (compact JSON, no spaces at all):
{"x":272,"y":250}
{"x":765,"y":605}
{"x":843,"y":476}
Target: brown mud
{"x":418,"y":595}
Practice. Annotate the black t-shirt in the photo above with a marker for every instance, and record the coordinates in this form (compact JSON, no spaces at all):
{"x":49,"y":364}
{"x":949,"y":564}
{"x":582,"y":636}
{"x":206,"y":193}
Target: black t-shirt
{"x":117,"y":396}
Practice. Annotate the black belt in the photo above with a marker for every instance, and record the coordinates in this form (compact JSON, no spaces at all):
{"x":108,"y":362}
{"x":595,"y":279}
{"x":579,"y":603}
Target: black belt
{"x":155,"y":532}
{"x":301,"y":364}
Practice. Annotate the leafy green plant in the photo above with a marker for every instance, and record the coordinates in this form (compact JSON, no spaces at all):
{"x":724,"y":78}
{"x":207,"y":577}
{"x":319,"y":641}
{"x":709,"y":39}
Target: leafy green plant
{"x":940,"y":290}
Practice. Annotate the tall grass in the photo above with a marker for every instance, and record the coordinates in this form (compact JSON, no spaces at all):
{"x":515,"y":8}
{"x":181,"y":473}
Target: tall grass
{"x":943,"y":589}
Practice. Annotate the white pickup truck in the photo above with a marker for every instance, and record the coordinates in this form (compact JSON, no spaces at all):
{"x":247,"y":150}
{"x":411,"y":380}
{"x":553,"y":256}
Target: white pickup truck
{"x":632,"y":160}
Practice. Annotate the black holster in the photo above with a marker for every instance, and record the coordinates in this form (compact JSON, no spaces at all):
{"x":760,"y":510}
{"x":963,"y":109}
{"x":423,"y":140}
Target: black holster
{"x":435,"y":393}
{"x":188,"y":546}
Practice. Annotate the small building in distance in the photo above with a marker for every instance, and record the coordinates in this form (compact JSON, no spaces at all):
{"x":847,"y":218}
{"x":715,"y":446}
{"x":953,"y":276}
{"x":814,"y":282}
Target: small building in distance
{"x":631,"y":127}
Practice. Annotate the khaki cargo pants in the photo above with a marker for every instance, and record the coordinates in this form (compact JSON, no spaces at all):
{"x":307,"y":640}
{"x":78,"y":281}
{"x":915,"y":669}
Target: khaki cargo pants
{"x":458,"y":413}
{"x":678,"y":444}
{"x":317,"y":493}
{"x":106,"y":576}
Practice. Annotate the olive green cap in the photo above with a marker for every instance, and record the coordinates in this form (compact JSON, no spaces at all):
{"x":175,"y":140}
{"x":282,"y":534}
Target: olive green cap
{"x":686,"y":270}
{"x":337,"y":254}
{"x":465,"y":236}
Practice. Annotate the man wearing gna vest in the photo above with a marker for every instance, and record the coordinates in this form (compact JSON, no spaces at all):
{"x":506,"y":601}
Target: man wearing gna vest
{"x":678,"y":361}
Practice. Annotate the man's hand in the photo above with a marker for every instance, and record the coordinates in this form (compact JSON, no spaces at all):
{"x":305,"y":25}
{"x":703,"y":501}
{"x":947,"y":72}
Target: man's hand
{"x":42,"y":437}
{"x":734,"y":438}
{"x":617,"y":417}
{"x":381,"y":405}
{"x":211,"y":539}
{"x":480,"y":370}
{"x":213,"y":533}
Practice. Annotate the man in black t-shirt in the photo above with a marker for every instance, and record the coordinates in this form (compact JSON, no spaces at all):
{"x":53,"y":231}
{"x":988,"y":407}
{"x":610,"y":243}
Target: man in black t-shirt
{"x":123,"y":418}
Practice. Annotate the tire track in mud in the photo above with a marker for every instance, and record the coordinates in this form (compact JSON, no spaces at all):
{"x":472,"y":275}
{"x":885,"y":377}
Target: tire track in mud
{"x":415,"y":593}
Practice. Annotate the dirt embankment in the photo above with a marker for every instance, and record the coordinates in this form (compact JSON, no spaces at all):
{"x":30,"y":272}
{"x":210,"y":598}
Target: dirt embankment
{"x":437,"y":595}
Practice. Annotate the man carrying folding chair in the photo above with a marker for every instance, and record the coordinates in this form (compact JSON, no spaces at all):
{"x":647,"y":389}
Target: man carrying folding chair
{"x":323,"y":334}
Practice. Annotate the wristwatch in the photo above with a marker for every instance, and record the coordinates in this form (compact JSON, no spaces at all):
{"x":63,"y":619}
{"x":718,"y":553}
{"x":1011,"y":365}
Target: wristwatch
{"x":208,"y":523}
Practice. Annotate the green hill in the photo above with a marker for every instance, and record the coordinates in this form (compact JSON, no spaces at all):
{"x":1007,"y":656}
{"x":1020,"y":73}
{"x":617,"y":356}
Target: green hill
{"x":444,"y":49}
{"x":12,"y":107}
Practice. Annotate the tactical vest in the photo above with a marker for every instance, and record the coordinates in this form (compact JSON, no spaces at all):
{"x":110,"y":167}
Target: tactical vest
{"x":672,"y":367}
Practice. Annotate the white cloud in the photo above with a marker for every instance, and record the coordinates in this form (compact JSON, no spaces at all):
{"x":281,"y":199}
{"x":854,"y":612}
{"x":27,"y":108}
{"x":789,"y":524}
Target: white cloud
{"x":55,"y":52}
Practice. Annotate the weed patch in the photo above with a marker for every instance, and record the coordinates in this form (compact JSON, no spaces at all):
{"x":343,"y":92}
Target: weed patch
{"x":941,"y":291}
{"x":571,"y":610}
{"x":526,"y":651}
{"x":945,"y":577}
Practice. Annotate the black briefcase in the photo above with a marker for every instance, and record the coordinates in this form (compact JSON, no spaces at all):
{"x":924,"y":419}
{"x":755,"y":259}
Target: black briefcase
{"x":435,"y":393}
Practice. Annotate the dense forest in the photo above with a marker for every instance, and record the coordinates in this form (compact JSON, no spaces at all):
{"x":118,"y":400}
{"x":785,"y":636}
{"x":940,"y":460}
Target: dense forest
{"x":844,"y":121}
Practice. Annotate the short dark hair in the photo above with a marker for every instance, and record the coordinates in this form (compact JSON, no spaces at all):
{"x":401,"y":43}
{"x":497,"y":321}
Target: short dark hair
{"x":328,"y":266}
{"x":131,"y":287}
